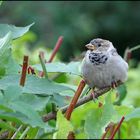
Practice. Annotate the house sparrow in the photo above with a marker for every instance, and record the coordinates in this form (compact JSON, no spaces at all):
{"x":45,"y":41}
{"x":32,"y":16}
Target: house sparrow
{"x":102,"y":65}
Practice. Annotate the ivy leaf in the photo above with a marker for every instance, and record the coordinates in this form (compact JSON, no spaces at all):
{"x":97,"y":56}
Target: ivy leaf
{"x":63,"y":125}
{"x":72,"y":67}
{"x":15,"y":31}
{"x":97,"y":119}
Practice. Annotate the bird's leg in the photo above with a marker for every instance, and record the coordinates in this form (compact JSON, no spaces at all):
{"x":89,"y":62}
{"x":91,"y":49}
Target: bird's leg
{"x":94,"y":96}
{"x":114,"y":84}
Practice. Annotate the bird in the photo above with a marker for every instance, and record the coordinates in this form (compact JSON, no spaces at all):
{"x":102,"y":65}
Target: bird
{"x":102,"y":66}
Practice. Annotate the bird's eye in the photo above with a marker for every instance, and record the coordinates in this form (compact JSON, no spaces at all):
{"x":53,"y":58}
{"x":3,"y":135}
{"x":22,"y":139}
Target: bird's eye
{"x":99,"y":45}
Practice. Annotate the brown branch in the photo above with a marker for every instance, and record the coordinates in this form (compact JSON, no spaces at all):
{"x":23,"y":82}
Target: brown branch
{"x":75,"y":99}
{"x":117,"y":128}
{"x":55,"y":50}
{"x":52,"y":115}
{"x":24,"y":70}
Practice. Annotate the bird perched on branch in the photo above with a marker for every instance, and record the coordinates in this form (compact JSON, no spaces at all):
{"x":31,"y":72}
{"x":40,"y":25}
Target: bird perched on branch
{"x":102,"y":65}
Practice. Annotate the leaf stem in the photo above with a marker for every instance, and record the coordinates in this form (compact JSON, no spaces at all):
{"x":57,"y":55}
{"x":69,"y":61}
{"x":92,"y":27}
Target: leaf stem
{"x":135,"y":48}
{"x":24,"y":70}
{"x":42,"y":61}
{"x":75,"y":99}
{"x":104,"y":135}
{"x":13,"y":137}
{"x":55,"y":50}
{"x":117,"y":128}
{"x":24,"y":132}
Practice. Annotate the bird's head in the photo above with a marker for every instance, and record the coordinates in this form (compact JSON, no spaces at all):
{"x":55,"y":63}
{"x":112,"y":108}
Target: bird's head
{"x":99,"y":44}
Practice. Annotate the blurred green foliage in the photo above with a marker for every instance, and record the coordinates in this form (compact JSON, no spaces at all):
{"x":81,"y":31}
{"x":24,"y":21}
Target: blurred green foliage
{"x":78,"y":22}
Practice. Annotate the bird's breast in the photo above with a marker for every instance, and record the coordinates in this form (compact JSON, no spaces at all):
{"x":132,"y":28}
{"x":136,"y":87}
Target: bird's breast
{"x":98,"y":58}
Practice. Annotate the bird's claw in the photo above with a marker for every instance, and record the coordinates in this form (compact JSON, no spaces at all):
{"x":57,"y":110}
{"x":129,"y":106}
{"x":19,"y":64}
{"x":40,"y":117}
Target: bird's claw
{"x":114,"y":84}
{"x":94,"y":96}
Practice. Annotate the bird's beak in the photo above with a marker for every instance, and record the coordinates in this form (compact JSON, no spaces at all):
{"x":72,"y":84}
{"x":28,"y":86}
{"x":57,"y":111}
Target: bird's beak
{"x":90,"y":46}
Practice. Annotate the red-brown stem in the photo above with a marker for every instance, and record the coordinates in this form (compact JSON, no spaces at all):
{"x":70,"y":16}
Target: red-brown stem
{"x":75,"y":99}
{"x":31,"y":70}
{"x":129,"y":54}
{"x":71,"y":135}
{"x":104,"y":135}
{"x":112,"y":128}
{"x":117,"y":128}
{"x":55,"y":50}
{"x":24,"y":70}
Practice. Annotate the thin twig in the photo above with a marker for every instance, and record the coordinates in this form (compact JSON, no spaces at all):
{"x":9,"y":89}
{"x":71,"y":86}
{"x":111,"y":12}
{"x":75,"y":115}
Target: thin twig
{"x":52,"y":115}
{"x":42,"y":61}
{"x":75,"y":99}
{"x":24,"y":70}
{"x":117,"y":128}
{"x":55,"y":50}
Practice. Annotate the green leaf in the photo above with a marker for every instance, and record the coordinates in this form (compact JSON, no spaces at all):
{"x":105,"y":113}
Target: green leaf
{"x":97,"y":119}
{"x":122,"y":91}
{"x":12,"y":116}
{"x":33,"y":85}
{"x":22,"y":112}
{"x":33,"y":117}
{"x":6,"y":125}
{"x":12,"y":93}
{"x":5,"y":43}
{"x":32,"y":133}
{"x":38,"y":103}
{"x":5,"y":51}
{"x":123,"y":110}
{"x":12,"y":67}
{"x":63,"y":125}
{"x":58,"y":100}
{"x":72,"y":67}
{"x":135,"y":114}
{"x":16,"y":31}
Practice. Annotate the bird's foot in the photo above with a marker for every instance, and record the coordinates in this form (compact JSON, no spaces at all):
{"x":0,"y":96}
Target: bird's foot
{"x":114,"y":84}
{"x":94,"y":96}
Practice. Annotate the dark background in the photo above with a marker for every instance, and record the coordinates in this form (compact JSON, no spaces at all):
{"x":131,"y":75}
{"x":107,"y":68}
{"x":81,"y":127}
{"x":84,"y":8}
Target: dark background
{"x":78,"y":22}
